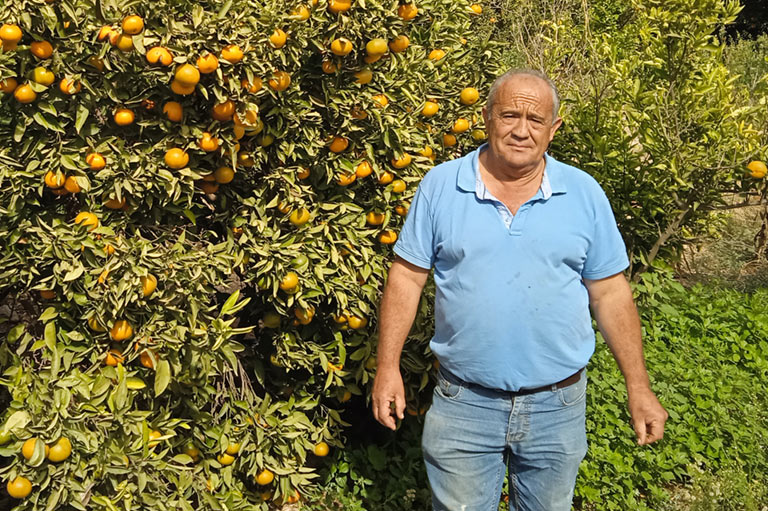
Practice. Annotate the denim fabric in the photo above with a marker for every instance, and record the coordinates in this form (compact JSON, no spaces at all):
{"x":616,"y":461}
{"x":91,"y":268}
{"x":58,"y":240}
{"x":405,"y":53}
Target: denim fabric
{"x":472,"y":435}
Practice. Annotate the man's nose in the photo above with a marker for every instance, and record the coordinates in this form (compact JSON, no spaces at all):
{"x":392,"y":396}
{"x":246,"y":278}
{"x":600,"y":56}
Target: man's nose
{"x":520,"y":128}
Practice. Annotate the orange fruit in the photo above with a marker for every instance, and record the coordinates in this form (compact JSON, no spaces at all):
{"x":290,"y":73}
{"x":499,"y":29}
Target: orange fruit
{"x":245,"y":159}
{"x":113,"y":358}
{"x":401,"y":209}
{"x":123,"y":117}
{"x":460,"y":125}
{"x":358,"y":113}
{"x":370,"y":59}
{"x":373,"y":218}
{"x":25,"y":94}
{"x":232,"y":449}
{"x":398,"y":186}
{"x":337,"y":6}
{"x":478,"y":135}
{"x":43,"y":76}
{"x":104,"y":32}
{"x":265,"y":477}
{"x":321,"y":449}
{"x":476,"y":8}
{"x":399,"y":44}
{"x":278,"y":38}
{"x":28,"y":448}
{"x":381,"y":100}
{"x":757,"y":169}
{"x":356,"y":323}
{"x":132,"y":24}
{"x":207,"y":63}
{"x":115,"y":204}
{"x":300,"y":13}
{"x":341,"y":46}
{"x":402,"y":162}
{"x":124,"y":43}
{"x":208,"y":142}
{"x":224,"y":175}
{"x":449,"y":140}
{"x":386,"y":177}
{"x":469,"y":96}
{"x":182,"y":90}
{"x":54,"y":179}
{"x":96,"y":62}
{"x":114,"y":35}
{"x":252,"y":87}
{"x":294,"y":497}
{"x":427,"y":152}
{"x":363,"y":169}
{"x":329,"y":67}
{"x":47,"y":294}
{"x":176,"y":158}
{"x":148,"y":284}
{"x":87,"y":219}
{"x":208,"y":187}
{"x":153,"y":436}
{"x":121,"y":330}
{"x":289,"y":282}
{"x":60,"y":450}
{"x":41,"y":49}
{"x":10,"y":33}
{"x":345,"y":179}
{"x":303,"y":173}
{"x":280,"y":81}
{"x":71,"y":185}
{"x":187,"y":75}
{"x":173,"y":111}
{"x":232,"y":53}
{"x":299,"y":217}
{"x":95,"y":161}
{"x":8,"y":85}
{"x":436,"y":54}
{"x":159,"y":56}
{"x":69,"y":87}
{"x":376,"y":46}
{"x":407,"y":11}
{"x":364,"y":76}
{"x":20,"y":487}
{"x":429,"y":109}
{"x":224,"y":111}
{"x":304,"y":316}
{"x":338,"y":144}
{"x":147,"y":359}
{"x":386,"y":237}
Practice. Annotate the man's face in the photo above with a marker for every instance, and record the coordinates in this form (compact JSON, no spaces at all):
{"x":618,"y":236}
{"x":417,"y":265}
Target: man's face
{"x":520,"y":125}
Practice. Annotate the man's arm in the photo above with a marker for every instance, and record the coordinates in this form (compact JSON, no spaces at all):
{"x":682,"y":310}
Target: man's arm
{"x":618,"y":321}
{"x":398,"y":310}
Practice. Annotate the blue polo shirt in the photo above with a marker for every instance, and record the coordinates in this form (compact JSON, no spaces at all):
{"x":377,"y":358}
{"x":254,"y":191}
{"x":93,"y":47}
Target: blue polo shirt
{"x":511,"y":310}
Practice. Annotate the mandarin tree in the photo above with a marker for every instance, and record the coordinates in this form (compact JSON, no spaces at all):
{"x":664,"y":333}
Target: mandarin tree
{"x":187,"y":264}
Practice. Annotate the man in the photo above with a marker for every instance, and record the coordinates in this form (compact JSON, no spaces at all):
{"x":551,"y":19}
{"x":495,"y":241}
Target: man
{"x":522,"y":246}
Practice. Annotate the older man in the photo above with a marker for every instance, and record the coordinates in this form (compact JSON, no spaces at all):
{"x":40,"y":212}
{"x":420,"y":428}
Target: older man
{"x":522,"y":245}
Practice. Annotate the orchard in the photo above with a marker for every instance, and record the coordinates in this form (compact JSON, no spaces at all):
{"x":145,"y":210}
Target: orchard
{"x":199,"y":201}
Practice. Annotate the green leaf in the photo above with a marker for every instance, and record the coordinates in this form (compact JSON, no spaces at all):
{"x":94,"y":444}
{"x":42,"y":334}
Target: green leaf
{"x":162,"y":376}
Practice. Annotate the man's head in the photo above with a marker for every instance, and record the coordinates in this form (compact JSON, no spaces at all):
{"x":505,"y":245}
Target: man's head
{"x":521,"y":118}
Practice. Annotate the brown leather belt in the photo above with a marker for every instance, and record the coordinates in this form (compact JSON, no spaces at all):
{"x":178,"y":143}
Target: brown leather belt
{"x":566,"y":382}
{"x":522,"y":392}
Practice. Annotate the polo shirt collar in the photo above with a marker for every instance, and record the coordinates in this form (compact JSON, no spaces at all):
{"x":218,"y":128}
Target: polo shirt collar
{"x":551,"y":182}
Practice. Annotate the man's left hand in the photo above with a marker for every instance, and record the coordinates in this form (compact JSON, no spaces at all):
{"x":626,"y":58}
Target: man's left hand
{"x":648,"y":416}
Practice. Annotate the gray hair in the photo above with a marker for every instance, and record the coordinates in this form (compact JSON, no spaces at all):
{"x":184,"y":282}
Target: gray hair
{"x":501,"y":80}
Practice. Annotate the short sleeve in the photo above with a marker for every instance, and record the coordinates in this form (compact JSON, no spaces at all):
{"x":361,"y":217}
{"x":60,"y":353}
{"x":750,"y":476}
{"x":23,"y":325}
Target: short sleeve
{"x":607,"y":254}
{"x":416,"y":241}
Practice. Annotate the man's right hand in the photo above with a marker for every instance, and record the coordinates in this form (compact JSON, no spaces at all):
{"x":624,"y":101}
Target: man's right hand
{"x":387,"y":389}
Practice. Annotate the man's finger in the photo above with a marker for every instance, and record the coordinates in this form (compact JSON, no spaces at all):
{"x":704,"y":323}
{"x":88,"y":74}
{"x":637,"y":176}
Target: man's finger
{"x":639,"y":426}
{"x":399,"y":406}
{"x":655,"y":431}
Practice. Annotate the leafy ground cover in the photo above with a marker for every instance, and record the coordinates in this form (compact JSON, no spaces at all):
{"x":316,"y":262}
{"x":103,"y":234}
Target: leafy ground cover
{"x":707,"y":352}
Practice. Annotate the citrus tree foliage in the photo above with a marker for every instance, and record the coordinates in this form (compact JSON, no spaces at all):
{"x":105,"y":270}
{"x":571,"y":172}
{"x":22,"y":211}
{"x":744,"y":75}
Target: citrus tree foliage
{"x":197,"y":208}
{"x":650,"y":109}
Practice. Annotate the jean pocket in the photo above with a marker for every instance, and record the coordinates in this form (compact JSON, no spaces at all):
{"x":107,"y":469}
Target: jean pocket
{"x":447,"y":388}
{"x":575,"y":393}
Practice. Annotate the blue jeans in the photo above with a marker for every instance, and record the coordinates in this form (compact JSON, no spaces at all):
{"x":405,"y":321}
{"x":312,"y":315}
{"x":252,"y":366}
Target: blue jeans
{"x":473,"y":434}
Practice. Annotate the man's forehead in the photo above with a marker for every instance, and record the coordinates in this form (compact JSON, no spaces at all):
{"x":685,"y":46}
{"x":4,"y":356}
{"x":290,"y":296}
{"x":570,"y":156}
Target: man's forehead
{"x":524,"y":89}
